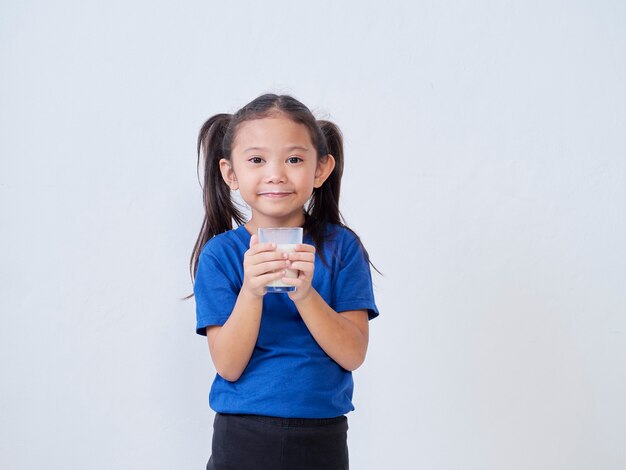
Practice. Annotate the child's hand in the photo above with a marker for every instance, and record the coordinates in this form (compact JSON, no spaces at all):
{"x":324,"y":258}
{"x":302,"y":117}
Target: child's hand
{"x":303,"y":259}
{"x":262,"y":264}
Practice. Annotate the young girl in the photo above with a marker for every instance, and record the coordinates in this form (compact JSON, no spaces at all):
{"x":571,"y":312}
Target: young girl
{"x":283,"y":361}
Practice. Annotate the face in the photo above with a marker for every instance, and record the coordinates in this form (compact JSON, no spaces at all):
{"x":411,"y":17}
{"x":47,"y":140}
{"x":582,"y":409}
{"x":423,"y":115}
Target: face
{"x":275,"y":167}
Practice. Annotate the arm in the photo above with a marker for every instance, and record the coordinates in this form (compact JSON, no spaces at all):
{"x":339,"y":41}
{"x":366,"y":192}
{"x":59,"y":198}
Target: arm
{"x":232,"y":344}
{"x":343,"y":336}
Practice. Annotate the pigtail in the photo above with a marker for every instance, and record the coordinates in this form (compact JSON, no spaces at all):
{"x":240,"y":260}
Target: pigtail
{"x":219,"y":209}
{"x":324,"y":206}
{"x":332,"y":186}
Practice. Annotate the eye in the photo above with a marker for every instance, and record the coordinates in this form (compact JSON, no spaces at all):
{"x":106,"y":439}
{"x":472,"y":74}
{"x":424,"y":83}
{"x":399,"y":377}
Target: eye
{"x":294,"y":159}
{"x":255,"y":160}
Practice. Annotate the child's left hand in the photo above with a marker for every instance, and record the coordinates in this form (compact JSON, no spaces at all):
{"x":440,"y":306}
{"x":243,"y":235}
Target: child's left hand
{"x":303,"y":259}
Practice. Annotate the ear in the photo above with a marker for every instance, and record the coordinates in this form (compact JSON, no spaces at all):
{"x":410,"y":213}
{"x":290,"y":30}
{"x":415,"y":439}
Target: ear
{"x":228,"y":174}
{"x":325,"y":167}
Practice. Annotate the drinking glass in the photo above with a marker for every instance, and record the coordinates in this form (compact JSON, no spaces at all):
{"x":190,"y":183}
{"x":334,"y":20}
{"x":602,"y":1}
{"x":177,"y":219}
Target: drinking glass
{"x":286,"y":239}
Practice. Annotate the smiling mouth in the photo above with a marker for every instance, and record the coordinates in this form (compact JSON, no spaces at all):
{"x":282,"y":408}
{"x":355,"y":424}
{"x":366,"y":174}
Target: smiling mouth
{"x":275,"y":194}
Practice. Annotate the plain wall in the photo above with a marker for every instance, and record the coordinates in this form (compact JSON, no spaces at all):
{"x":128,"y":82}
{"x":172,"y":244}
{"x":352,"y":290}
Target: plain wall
{"x":485,"y":172}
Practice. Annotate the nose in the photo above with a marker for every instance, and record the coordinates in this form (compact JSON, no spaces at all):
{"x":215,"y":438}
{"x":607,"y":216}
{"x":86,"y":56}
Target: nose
{"x":275,"y":173}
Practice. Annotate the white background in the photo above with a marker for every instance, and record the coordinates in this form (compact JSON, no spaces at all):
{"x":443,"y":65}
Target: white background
{"x":485,"y":172}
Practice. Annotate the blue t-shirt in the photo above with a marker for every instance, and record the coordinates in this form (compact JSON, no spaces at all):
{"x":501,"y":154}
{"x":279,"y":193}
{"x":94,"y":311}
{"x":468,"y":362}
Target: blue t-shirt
{"x":288,"y":375}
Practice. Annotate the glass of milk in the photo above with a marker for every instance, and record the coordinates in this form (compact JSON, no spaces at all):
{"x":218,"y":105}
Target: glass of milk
{"x":286,"y":239}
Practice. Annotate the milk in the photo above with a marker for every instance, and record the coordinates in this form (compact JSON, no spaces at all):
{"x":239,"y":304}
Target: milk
{"x":292,"y":273}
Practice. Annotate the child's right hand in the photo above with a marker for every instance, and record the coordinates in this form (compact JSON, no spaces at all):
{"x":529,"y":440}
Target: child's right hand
{"x":262,"y":264}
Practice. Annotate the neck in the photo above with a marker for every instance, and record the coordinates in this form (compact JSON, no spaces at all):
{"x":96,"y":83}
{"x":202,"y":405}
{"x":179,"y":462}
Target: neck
{"x":292,"y":221}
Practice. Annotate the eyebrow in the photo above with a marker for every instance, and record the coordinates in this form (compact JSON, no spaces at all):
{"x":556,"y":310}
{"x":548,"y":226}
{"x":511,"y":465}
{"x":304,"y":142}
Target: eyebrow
{"x":289,"y":149}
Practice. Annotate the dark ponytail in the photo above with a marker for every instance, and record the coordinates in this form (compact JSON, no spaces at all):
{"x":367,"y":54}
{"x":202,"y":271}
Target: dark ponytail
{"x":219,"y":208}
{"x":324,"y":205}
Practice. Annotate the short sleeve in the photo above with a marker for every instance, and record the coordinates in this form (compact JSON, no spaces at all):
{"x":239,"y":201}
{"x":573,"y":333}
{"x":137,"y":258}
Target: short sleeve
{"x":214,"y":292}
{"x":353,"y":285}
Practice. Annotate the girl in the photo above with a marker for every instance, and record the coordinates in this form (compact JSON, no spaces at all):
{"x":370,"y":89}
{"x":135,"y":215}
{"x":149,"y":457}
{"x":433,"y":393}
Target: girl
{"x":283,"y":361}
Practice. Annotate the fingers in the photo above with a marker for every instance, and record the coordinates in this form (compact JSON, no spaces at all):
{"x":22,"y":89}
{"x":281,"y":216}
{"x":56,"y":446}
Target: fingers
{"x":303,"y":262}
{"x":297,"y":282}
{"x":292,"y":281}
{"x":303,"y":259}
{"x":303,"y":252}
{"x":263,"y":264}
{"x":302,"y":266}
{"x":261,"y":269}
{"x":295,"y":256}
{"x":263,"y":252}
{"x":265,"y":279}
{"x":304,"y":269}
{"x":266,"y":256}
{"x":258,"y":284}
{"x":256,"y":247}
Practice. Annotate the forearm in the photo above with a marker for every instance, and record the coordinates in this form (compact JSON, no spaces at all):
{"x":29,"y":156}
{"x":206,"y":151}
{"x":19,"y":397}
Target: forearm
{"x":338,"y":336}
{"x":232,"y":344}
